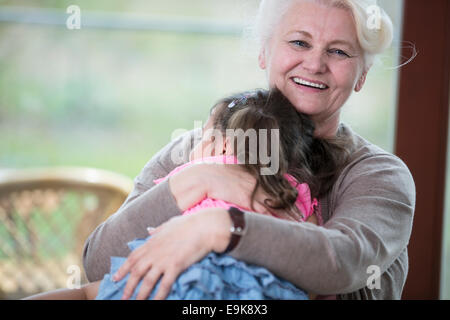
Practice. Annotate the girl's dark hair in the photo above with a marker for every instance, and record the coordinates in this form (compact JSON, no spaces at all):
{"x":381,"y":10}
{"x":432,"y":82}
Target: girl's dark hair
{"x":309,"y":159}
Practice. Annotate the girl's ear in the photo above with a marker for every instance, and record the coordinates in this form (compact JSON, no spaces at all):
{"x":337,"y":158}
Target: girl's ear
{"x":227,"y":147}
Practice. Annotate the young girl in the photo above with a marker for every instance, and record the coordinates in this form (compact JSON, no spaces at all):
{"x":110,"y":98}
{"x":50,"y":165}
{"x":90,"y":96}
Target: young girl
{"x":300,"y":158}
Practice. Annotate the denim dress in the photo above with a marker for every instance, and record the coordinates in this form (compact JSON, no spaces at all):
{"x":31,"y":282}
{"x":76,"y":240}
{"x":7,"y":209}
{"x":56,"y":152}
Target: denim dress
{"x":215,"y":277}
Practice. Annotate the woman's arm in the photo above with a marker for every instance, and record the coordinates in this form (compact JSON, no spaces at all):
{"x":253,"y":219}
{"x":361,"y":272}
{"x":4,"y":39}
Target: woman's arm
{"x":173,"y":247}
{"x":147,"y":205}
{"x":373,"y":206}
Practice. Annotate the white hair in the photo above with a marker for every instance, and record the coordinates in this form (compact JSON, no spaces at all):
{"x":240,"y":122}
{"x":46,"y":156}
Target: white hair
{"x":373,"y":26}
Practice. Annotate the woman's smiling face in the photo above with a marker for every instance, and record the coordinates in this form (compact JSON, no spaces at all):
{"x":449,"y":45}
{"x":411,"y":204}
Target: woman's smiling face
{"x":315,"y":59}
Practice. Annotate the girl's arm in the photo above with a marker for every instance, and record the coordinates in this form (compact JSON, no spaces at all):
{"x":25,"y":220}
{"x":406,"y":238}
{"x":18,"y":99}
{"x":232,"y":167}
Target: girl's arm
{"x":86,"y":292}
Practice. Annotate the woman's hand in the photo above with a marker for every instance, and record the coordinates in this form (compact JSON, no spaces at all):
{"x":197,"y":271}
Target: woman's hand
{"x":226,"y":182}
{"x":173,"y":247}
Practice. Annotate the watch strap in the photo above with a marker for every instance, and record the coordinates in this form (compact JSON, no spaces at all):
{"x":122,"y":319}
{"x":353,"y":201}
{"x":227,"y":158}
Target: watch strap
{"x":237,"y":228}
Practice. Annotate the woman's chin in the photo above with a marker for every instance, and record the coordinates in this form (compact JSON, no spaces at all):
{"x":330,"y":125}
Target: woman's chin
{"x":309,"y":108}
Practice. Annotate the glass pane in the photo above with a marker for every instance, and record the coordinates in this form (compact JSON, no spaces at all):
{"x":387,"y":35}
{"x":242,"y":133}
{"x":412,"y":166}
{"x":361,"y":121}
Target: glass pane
{"x":445,"y":262}
{"x":111,"y":96}
{"x":372,"y":111}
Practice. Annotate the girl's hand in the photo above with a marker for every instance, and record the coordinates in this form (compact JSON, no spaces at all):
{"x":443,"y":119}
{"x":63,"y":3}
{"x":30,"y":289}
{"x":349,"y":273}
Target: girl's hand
{"x":173,"y":247}
{"x":226,"y":182}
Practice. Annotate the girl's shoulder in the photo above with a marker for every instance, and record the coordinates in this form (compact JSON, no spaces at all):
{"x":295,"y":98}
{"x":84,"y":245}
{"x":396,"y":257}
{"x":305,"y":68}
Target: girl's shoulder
{"x":215,"y":160}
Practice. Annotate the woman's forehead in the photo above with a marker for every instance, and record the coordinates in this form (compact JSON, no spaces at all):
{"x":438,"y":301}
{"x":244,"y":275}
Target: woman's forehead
{"x":319,"y":21}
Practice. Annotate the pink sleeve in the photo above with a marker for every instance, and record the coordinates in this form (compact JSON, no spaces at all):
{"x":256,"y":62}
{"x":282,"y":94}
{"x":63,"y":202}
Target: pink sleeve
{"x":216,"y":159}
{"x":171,"y":173}
{"x":304,"y":202}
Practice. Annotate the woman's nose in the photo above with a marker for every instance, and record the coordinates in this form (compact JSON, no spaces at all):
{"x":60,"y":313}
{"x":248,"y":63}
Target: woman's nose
{"x":314,"y":62}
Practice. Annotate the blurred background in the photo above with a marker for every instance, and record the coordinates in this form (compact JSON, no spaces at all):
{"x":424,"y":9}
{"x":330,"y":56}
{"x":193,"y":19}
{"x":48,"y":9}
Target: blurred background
{"x":110,"y":94}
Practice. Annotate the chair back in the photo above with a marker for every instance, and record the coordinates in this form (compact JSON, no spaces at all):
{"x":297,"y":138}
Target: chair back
{"x":46,"y":216}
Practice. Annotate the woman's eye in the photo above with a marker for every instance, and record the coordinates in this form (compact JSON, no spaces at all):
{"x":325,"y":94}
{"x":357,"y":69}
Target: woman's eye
{"x":339,"y":52}
{"x":300,"y":43}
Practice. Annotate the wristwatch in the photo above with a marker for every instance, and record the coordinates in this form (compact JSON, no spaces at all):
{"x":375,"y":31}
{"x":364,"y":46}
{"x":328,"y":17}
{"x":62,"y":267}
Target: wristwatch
{"x":237,"y":228}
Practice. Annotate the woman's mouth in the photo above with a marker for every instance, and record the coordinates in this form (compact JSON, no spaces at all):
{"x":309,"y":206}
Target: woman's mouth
{"x":310,"y":84}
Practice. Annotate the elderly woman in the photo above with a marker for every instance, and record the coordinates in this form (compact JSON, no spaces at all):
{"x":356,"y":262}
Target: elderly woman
{"x":317,"y":52}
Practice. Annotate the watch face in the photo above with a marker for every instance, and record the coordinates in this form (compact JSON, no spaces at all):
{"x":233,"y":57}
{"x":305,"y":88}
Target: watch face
{"x":236,"y":230}
{"x":237,"y":218}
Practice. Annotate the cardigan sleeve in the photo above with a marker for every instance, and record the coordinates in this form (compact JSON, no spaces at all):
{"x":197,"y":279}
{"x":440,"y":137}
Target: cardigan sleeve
{"x":370,"y":225}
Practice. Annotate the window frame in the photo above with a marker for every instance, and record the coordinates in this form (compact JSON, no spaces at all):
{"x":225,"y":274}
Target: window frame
{"x":421,"y":137}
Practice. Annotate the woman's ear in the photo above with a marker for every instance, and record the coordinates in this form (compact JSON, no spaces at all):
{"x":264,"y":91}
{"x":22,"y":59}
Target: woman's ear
{"x":359,"y":85}
{"x":262,"y":59}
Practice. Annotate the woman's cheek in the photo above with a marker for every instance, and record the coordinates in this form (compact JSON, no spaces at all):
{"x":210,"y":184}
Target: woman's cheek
{"x":347,"y":74}
{"x":278,"y":65}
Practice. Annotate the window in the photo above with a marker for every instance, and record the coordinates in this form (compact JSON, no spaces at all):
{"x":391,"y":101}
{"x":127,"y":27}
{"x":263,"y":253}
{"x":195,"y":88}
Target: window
{"x":445,"y":262}
{"x":422,"y":118}
{"x":374,"y":119}
{"x":110,"y":94}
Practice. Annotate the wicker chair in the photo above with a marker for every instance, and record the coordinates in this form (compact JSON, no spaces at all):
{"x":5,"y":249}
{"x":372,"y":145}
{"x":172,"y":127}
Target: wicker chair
{"x":45,"y":217}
